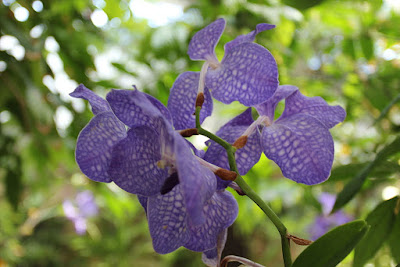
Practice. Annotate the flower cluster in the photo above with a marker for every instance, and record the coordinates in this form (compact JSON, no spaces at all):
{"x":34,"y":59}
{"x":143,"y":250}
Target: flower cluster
{"x":135,"y":141}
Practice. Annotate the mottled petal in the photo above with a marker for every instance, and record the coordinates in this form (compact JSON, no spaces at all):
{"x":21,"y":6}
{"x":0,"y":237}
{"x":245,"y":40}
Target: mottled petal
{"x":143,"y":202}
{"x":95,"y":144}
{"x":135,"y":108}
{"x":221,"y":211}
{"x":247,"y":156}
{"x":98,"y":104}
{"x":248,"y":73}
{"x":203,"y":43}
{"x":167,"y":221}
{"x":134,"y":162}
{"x":196,"y":181}
{"x":160,"y":106}
{"x":197,"y":152}
{"x":212,"y":257}
{"x":182,"y":98}
{"x":301,"y":146}
{"x":268,"y":107}
{"x":315,"y":107}
{"x":248,"y":38}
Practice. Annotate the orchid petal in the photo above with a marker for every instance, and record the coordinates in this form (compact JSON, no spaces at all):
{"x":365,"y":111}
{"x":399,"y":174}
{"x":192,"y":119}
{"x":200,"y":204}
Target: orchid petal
{"x":135,"y":108}
{"x":167,"y":221}
{"x":248,"y":73}
{"x":301,"y":146}
{"x":212,"y":257}
{"x":182,"y":99}
{"x":95,"y":144}
{"x":203,"y":43}
{"x":98,"y":104}
{"x":248,"y":38}
{"x":268,"y":107}
{"x":143,"y":202}
{"x":196,"y":181}
{"x":315,"y":107}
{"x":221,"y":211}
{"x":247,"y":156}
{"x":134,"y":162}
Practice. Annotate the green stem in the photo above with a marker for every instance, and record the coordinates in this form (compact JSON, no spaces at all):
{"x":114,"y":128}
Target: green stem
{"x":249,"y":191}
{"x":271,"y":215}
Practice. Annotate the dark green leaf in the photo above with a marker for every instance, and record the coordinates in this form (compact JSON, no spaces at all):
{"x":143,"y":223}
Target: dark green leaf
{"x":333,"y":247}
{"x":394,"y":239}
{"x":351,"y":188}
{"x":348,"y":48}
{"x":381,"y":221}
{"x":383,"y":170}
{"x":367,"y":46}
{"x":387,"y":108}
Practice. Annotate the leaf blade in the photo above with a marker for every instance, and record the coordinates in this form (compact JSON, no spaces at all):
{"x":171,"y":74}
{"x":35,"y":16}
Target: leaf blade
{"x":381,"y":221}
{"x":334,"y":246}
{"x":352,"y":187}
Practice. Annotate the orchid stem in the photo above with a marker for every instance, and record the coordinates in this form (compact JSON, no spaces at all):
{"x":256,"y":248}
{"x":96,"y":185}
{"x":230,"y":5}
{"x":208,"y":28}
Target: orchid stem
{"x":249,"y":191}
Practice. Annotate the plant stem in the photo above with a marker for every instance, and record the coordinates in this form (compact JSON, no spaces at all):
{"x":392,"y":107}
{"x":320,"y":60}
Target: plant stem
{"x":249,"y":191}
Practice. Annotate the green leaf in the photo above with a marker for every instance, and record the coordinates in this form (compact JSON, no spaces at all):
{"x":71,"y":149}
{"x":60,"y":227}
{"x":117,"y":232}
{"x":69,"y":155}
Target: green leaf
{"x":387,"y":108}
{"x":367,"y":46}
{"x":394,"y":237}
{"x":122,"y":68}
{"x":302,"y":4}
{"x":344,"y":172}
{"x":351,"y":188}
{"x":381,"y":221}
{"x":333,"y":247}
{"x":348,"y":48}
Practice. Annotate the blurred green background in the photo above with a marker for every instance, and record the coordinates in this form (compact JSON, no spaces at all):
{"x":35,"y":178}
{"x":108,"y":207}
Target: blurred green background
{"x":345,"y":51}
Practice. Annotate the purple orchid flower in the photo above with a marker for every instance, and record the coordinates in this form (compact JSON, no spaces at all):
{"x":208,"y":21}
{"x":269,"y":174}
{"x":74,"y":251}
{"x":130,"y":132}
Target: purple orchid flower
{"x":245,"y":157}
{"x":170,"y":227}
{"x":153,"y":161}
{"x":299,"y":141}
{"x":247,"y":73}
{"x":325,"y":222}
{"x":77,"y":211}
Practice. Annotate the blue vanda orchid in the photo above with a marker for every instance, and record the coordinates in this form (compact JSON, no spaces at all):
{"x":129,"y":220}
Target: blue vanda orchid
{"x":247,"y":73}
{"x":299,"y":141}
{"x":131,"y":142}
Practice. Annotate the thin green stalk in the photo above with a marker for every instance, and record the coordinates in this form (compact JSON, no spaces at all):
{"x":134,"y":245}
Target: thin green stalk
{"x":249,"y":191}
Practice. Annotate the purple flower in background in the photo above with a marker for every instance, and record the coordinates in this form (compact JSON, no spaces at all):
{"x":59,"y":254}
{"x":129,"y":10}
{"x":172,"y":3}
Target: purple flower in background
{"x":81,"y":208}
{"x":326,"y":222}
{"x":247,"y":73}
